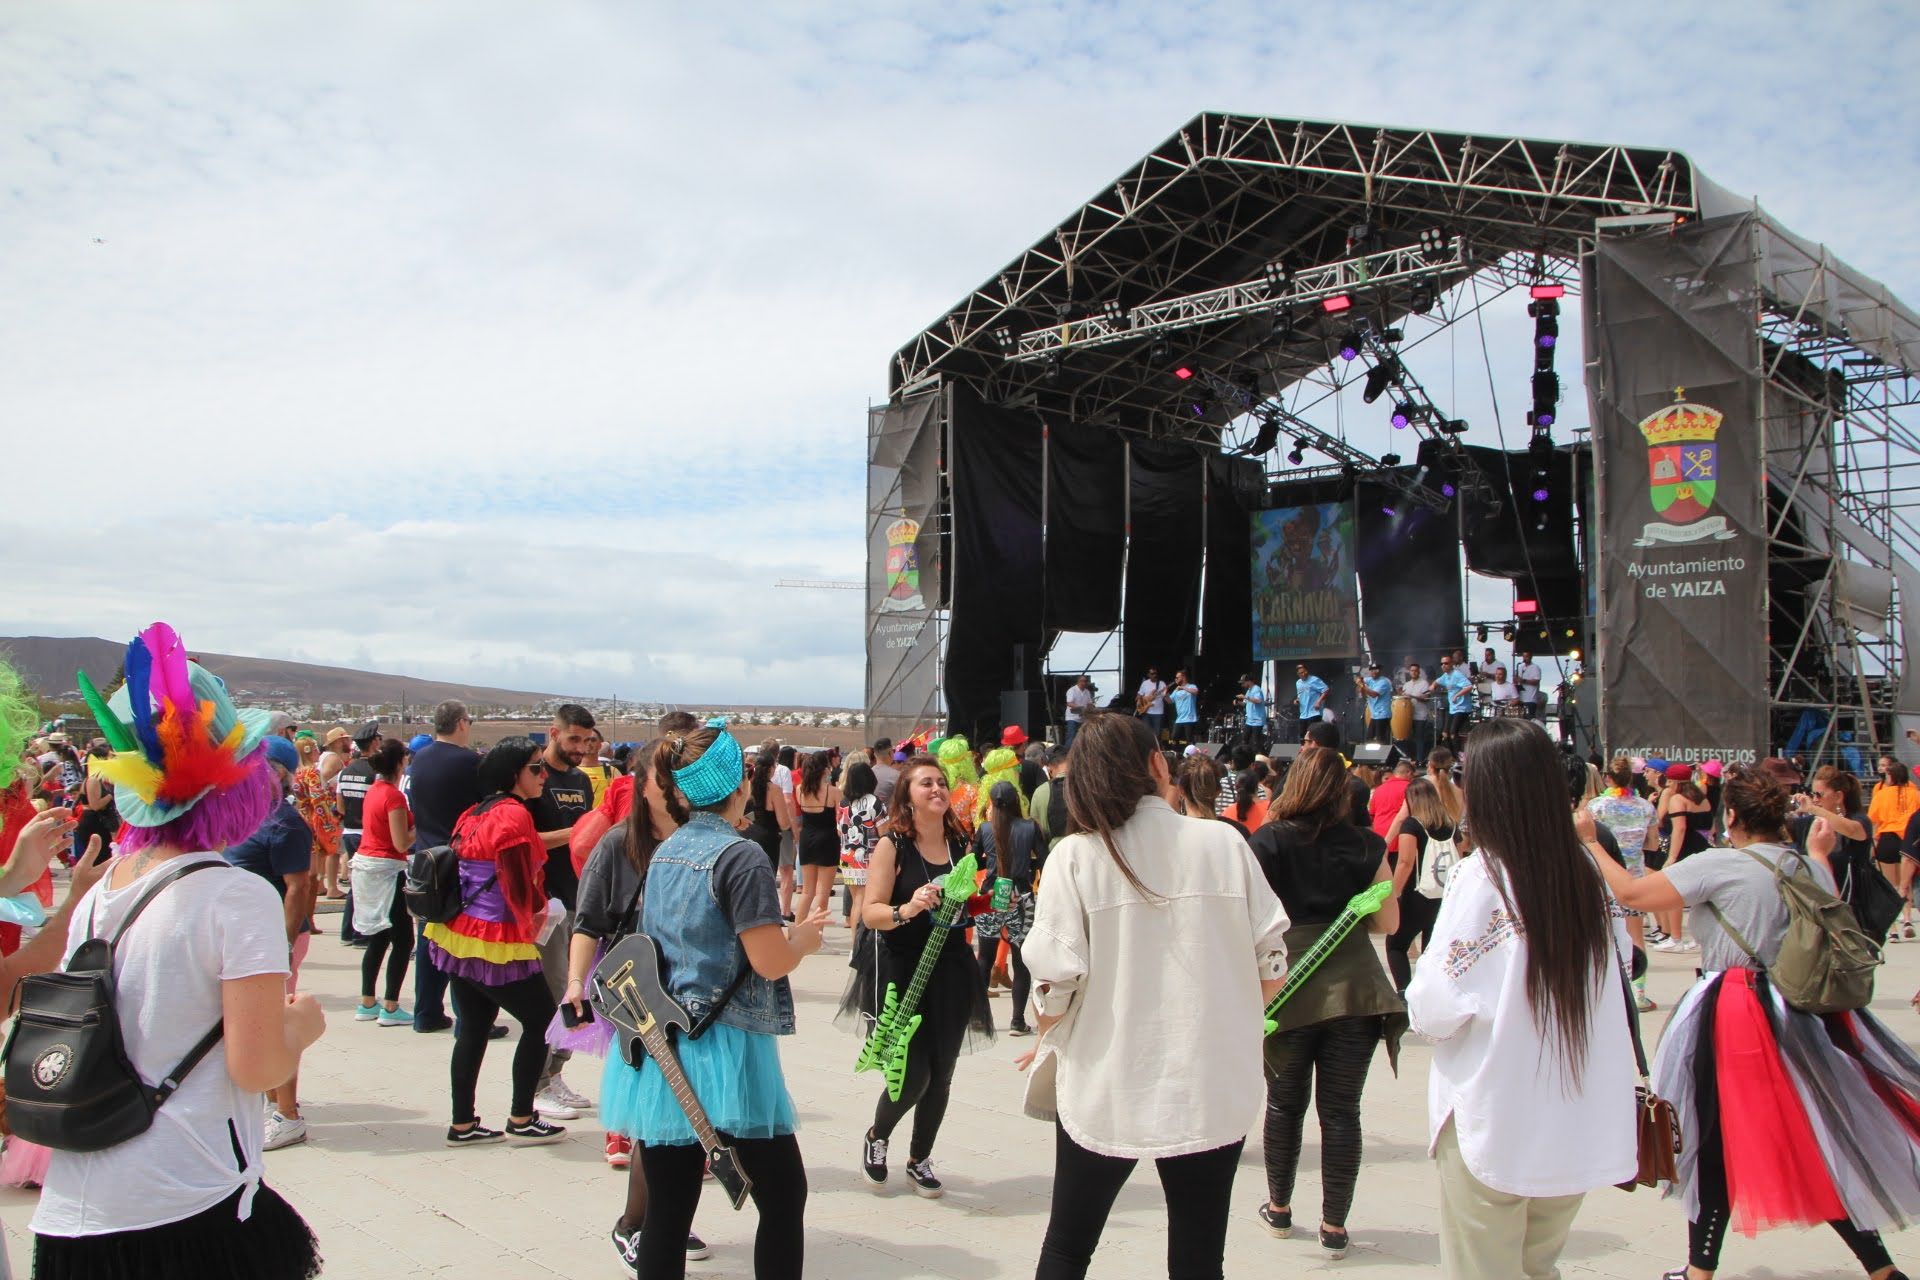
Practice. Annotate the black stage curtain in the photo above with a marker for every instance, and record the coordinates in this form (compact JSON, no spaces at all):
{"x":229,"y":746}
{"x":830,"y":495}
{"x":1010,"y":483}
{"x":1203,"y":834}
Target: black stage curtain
{"x":1234,"y":485}
{"x":996,"y":560}
{"x":1163,"y":561}
{"x":1409,"y":558}
{"x":1086,"y":526}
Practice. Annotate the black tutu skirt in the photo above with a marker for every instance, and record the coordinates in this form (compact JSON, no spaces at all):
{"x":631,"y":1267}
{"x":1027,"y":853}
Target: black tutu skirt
{"x":955,"y":996}
{"x":274,"y":1243}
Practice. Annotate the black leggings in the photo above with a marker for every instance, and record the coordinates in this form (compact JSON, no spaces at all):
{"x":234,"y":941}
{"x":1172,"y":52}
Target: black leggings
{"x":1197,"y":1187}
{"x":988,"y":948}
{"x":674,"y":1175}
{"x":931,"y":1056}
{"x":1417,"y":914}
{"x":395,"y":945}
{"x":1708,"y":1232}
{"x":530,"y":1004}
{"x":1330,"y":1061}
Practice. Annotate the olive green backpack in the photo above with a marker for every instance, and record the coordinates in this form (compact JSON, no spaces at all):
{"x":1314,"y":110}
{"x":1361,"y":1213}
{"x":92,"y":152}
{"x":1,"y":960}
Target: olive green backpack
{"x":1826,"y":961}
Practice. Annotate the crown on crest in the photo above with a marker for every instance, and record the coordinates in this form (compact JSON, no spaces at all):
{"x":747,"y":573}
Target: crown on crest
{"x":1678,"y":423}
{"x":903,"y":532}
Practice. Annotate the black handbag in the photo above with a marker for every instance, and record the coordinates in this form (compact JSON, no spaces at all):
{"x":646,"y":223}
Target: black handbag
{"x":69,"y":1083}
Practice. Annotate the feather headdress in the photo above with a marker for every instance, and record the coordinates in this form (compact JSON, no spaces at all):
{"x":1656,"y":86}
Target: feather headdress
{"x":176,"y":735}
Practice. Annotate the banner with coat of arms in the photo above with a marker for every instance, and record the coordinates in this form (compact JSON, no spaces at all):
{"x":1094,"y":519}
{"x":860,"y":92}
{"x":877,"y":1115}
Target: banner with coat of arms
{"x":904,"y":588}
{"x":1680,"y":542}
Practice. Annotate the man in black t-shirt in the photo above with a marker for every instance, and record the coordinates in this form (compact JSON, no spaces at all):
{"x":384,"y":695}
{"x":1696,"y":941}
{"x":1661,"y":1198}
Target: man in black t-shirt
{"x":352,"y":784}
{"x":443,"y":782}
{"x":566,"y":798}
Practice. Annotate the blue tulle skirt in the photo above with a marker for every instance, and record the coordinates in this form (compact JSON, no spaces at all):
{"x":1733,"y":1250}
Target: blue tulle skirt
{"x":735,"y":1074}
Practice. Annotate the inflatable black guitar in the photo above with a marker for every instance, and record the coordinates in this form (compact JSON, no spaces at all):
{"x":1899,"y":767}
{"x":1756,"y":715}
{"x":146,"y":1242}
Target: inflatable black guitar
{"x":627,"y":992}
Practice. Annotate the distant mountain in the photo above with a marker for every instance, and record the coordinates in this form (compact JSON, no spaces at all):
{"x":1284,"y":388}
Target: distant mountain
{"x":48,"y":663}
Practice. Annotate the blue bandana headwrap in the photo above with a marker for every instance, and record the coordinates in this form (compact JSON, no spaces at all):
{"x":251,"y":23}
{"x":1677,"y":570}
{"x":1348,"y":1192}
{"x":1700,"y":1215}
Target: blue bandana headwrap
{"x":714,"y":776}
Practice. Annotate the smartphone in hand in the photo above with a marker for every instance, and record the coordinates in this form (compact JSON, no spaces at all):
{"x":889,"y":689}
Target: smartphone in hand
{"x":570,"y":1019}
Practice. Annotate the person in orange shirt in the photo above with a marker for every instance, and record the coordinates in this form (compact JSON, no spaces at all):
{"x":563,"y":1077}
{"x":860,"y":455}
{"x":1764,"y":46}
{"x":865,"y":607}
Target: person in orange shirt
{"x":1895,"y":801}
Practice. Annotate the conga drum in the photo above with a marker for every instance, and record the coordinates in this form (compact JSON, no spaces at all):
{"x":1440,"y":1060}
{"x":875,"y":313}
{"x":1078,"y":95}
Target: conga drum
{"x":1402,"y":718}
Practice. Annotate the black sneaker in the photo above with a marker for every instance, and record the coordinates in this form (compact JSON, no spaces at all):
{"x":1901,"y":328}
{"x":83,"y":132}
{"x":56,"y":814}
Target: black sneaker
{"x":697,"y":1250}
{"x":1334,"y":1240}
{"x":1019,"y":1029}
{"x":478,"y":1135}
{"x":873,"y":1159}
{"x":534,"y":1133}
{"x":628,"y":1247}
{"x":920,"y":1174}
{"x":1278,"y":1222}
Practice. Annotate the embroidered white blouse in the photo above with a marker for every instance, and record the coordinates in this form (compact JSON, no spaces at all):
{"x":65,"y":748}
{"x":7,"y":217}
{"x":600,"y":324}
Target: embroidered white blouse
{"x":1158,"y":1053}
{"x":1525,"y":1125}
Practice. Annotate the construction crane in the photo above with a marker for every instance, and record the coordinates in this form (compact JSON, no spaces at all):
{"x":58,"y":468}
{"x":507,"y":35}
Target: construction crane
{"x":814,"y":584}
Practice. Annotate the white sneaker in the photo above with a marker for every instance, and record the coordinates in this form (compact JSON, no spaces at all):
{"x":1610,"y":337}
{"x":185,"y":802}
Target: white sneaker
{"x":561,"y":1091}
{"x":1686,"y":944}
{"x":548,"y":1104}
{"x":282,"y":1132}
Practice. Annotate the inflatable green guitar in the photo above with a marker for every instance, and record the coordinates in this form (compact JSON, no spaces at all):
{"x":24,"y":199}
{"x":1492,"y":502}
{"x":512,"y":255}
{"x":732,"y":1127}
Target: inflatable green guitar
{"x":886,"y":1048}
{"x":1359,"y":907}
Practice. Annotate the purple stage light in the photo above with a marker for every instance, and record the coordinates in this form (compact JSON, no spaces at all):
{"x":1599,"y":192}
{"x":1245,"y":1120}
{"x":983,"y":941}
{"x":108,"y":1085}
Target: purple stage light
{"x":1399,"y":418}
{"x":1546,"y":341}
{"x":1388,"y":511}
{"x":1447,"y":490}
{"x":1348,"y":352}
{"x":1544,"y":417}
{"x":1539,"y":495}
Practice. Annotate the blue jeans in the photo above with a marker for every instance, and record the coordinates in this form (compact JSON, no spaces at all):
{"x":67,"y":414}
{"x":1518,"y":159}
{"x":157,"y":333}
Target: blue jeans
{"x":349,"y":845}
{"x":1073,"y":727}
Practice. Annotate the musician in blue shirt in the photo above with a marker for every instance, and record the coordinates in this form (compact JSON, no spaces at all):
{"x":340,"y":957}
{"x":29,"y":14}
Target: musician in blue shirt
{"x":1253,"y":699}
{"x":1310,"y":692}
{"x":1186,"y":709}
{"x":1379,"y":691}
{"x":1459,"y":687}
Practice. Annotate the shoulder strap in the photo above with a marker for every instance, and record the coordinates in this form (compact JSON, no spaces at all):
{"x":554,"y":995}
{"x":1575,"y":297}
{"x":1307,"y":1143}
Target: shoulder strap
{"x":1727,"y":925}
{"x":160,"y":882}
{"x":1633,"y":1016}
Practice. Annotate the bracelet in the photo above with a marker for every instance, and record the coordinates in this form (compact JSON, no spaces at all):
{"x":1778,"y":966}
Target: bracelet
{"x":898,"y":919}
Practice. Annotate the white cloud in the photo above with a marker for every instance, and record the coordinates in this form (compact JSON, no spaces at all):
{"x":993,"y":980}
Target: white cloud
{"x":625,"y":276}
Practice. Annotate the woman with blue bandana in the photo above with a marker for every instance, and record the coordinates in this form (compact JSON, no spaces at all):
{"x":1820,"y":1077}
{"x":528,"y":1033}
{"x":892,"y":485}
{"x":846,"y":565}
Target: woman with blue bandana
{"x":712,"y":907}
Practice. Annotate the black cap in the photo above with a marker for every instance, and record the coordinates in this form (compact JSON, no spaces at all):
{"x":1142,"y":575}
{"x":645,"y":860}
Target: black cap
{"x":367,"y":732}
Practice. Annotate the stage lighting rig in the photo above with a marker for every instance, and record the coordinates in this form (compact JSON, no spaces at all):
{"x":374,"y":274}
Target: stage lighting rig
{"x":1113,"y":313}
{"x":1297,"y":454}
{"x":1433,"y":244}
{"x":1352,"y":342}
{"x":1267,"y":438}
{"x":1421,"y":300}
{"x":1405,"y":412}
{"x":1276,"y":275}
{"x":1379,"y":378}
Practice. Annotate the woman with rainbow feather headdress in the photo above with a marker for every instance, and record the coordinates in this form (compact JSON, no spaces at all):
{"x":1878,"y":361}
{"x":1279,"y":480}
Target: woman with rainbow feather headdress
{"x":28,"y":840}
{"x":191,"y":775}
{"x":1002,"y":765}
{"x":963,"y":779}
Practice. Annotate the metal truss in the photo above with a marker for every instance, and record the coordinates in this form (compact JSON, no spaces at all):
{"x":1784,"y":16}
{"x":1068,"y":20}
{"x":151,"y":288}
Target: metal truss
{"x":1235,"y":301}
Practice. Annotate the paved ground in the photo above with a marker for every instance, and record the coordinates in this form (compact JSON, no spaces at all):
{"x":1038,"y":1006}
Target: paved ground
{"x":387,"y":1199}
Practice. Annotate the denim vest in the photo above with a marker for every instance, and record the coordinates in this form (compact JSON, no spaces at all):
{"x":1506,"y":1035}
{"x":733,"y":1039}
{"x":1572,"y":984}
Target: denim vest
{"x":682,"y":915}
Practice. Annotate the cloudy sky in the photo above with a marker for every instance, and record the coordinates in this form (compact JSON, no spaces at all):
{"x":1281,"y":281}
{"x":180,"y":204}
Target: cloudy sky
{"x":530,"y":344}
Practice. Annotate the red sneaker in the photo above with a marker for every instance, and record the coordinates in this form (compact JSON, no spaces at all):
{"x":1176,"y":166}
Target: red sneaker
{"x":619,"y":1151}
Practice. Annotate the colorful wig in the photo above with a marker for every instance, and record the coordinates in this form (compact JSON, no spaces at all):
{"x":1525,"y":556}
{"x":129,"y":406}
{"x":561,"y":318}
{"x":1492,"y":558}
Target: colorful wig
{"x":1002,"y":765}
{"x":18,"y":719}
{"x":956,"y":761}
{"x":188,"y":769}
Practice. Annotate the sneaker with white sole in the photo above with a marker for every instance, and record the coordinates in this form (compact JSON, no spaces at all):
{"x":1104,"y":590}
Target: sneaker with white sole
{"x":873,"y":1159}
{"x":697,"y":1250}
{"x":366,"y":1012}
{"x":536,"y":1132}
{"x":474,"y":1135}
{"x":920,"y":1174}
{"x":547,"y":1103}
{"x":628,"y":1247}
{"x":283,"y":1132}
{"x":619,"y":1151}
{"x":395,"y":1017}
{"x":561,"y":1091}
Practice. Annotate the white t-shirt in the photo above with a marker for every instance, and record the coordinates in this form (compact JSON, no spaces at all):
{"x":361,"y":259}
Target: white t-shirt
{"x":783,"y":779}
{"x":1529,"y":671}
{"x":1422,"y":708}
{"x":1503,"y":691}
{"x":211,"y":927}
{"x":1078,"y":700}
{"x":1502,"y":1080}
{"x":1158,"y":692}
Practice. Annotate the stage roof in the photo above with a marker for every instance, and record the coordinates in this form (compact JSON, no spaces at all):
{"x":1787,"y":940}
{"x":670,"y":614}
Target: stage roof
{"x":1227,"y":195}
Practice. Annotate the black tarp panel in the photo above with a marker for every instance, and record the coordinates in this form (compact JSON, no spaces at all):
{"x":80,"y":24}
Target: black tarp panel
{"x":996,"y":573}
{"x":1086,"y":526}
{"x":1226,"y":631}
{"x":1409,"y":561}
{"x":1508,"y":543}
{"x":1163,"y":560}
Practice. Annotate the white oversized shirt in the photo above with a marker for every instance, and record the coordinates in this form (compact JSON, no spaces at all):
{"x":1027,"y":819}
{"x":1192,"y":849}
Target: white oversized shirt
{"x":1158,"y":1053}
{"x":1525,"y":1126}
{"x":1078,"y":700}
{"x":1528,"y":671}
{"x":1157,"y":690}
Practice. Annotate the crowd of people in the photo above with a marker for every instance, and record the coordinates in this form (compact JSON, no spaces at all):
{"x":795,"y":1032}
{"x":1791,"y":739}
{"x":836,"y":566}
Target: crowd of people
{"x":1518,"y":890}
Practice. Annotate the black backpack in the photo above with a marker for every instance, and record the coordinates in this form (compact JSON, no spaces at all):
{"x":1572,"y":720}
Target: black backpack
{"x":432,"y":884}
{"x":70,"y":1084}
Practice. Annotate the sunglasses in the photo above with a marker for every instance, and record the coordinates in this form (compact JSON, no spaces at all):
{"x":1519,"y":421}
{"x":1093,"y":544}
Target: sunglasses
{"x":538,"y":766}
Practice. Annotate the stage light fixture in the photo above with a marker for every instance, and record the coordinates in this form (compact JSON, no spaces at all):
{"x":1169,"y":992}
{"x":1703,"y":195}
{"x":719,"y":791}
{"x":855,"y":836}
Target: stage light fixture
{"x":1543,"y":309}
{"x":1183,"y":373}
{"x":1113,"y":313}
{"x":1546,"y":388}
{"x":1540,"y":495}
{"x":1350,"y":343}
{"x":1159,"y":350}
{"x":1004,"y":336}
{"x":1433,"y":243}
{"x":1358,"y":235}
{"x":1053,"y":367}
{"x":1447,"y":490}
{"x":1379,"y":378}
{"x":1506,"y":633}
{"x":1276,"y":274}
{"x":1525,"y":608}
{"x":1481,"y":634}
{"x":1573,"y":653}
{"x":1548,"y":289}
{"x":1298,"y":453}
{"x":1546,"y":332}
{"x":1403,"y":413}
{"x":1389,"y":459}
{"x":1386,"y":509}
{"x":1421,"y":301}
{"x":1453,"y":426}
{"x":1282,"y":326}
{"x":1267,"y":437}
{"x":1392,"y":335}
{"x":1334,"y":304}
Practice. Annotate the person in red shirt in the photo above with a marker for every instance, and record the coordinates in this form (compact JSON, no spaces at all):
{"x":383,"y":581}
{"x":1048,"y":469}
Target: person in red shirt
{"x":386,"y":836}
{"x":1387,"y":797}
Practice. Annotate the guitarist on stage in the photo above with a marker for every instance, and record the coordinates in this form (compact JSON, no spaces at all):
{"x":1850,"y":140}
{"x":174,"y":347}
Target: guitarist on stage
{"x":1150,"y":701}
{"x":924,"y":840}
{"x":712,"y":908}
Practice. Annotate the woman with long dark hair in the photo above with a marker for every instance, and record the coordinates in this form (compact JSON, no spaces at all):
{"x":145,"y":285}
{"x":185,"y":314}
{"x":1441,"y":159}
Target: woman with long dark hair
{"x":385,"y":841}
{"x":817,"y":799}
{"x":1789,"y":1118}
{"x":490,"y":951}
{"x":859,"y":821}
{"x":1140,"y":1057}
{"x":1316,"y":859}
{"x":1524,"y":990}
{"x":923,"y":840}
{"x":1426,"y":819}
{"x":711,"y":905}
{"x":766,"y":803}
{"x":1011,"y":848}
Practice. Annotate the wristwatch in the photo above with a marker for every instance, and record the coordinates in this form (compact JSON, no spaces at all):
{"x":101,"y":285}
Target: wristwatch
{"x":898,"y":919}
